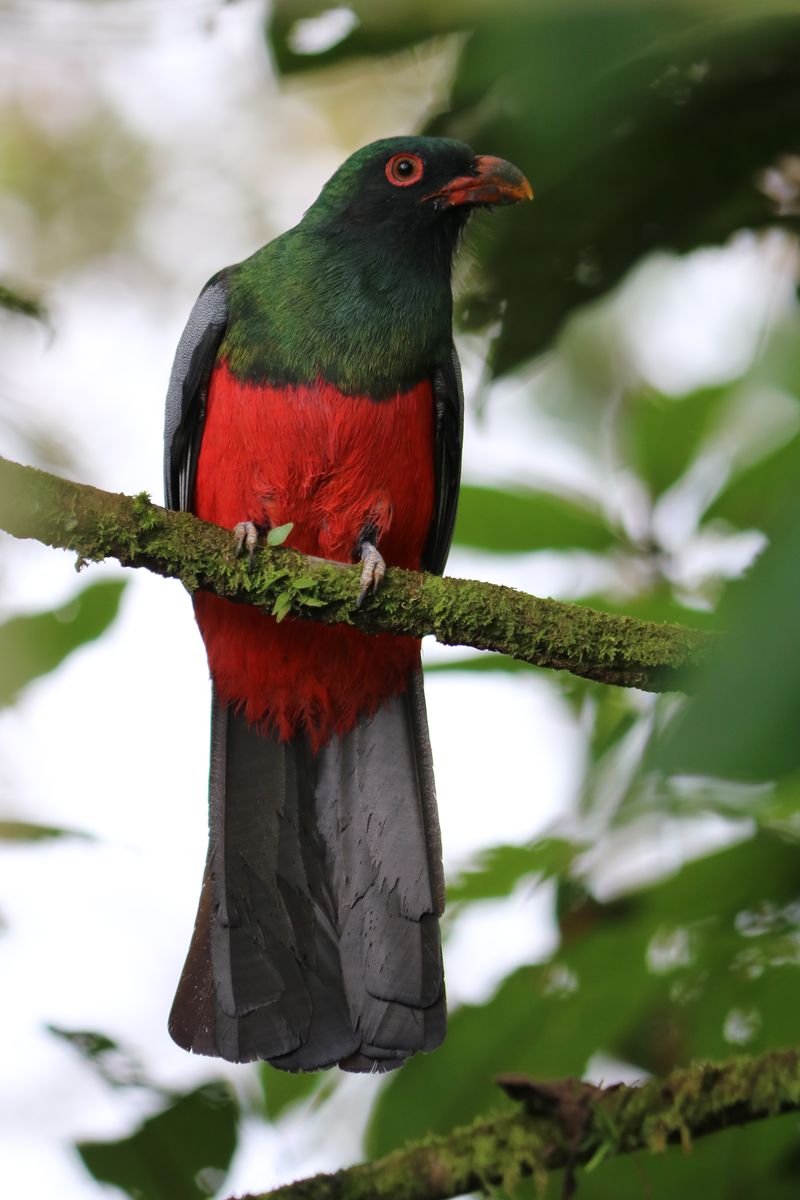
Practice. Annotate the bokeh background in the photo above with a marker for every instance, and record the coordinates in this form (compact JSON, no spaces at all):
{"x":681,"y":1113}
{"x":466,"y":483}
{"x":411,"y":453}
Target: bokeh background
{"x":624,"y":868}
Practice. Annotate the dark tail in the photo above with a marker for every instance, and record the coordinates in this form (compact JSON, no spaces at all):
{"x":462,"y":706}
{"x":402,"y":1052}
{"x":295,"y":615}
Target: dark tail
{"x":317,"y":934}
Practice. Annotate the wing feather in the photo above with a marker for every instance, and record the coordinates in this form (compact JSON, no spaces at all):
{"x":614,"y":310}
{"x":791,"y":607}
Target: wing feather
{"x":188,"y":392}
{"x":448,"y":398}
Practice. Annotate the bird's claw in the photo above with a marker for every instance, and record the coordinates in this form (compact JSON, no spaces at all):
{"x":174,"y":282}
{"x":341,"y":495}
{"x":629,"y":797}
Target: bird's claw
{"x":372,"y":571}
{"x":245,"y":537}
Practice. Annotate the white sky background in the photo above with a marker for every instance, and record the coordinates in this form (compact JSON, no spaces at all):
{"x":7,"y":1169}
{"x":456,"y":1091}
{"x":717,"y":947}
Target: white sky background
{"x":115,"y":743}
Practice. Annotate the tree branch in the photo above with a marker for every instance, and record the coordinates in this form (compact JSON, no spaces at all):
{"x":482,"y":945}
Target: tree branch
{"x":548,"y":633}
{"x":565,"y":1124}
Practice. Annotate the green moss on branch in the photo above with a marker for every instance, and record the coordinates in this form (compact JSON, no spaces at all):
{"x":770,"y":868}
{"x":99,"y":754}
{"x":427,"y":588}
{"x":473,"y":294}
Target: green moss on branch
{"x":458,"y":612}
{"x":566,"y":1124}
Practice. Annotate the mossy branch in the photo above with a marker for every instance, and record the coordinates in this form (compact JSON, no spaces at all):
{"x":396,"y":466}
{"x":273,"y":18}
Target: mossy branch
{"x":566,"y":1124}
{"x":458,"y":612}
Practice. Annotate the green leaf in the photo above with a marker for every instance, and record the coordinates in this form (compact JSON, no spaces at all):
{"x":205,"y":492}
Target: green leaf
{"x":755,"y":1160}
{"x":519,"y":521}
{"x":663,"y":435}
{"x":697,"y":965}
{"x":659,"y":605}
{"x":278,"y":535}
{"x":756,"y":497}
{"x":33,"y":645}
{"x":182,"y":1153}
{"x":26,"y":305}
{"x":497,"y":871}
{"x":481,"y":662}
{"x":115,"y":1065}
{"x":282,"y":1090}
{"x":741,"y":723}
{"x":282,"y":605}
{"x":381,"y":29}
{"x":25,"y":831}
{"x":672,"y":92}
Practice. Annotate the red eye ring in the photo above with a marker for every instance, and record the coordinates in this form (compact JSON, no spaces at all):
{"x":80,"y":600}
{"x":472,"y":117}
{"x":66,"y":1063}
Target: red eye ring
{"x":404,"y":169}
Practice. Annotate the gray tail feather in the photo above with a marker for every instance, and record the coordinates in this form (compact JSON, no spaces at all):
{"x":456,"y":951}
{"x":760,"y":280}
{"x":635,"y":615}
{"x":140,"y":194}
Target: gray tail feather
{"x":317,"y":934}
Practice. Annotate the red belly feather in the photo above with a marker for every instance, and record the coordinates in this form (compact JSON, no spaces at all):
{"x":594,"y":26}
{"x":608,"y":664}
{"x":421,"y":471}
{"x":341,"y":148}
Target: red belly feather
{"x":331,"y":464}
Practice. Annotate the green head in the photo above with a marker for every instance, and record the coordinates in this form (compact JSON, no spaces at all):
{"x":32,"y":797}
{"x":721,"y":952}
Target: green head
{"x":359,"y":292}
{"x":416,"y":189}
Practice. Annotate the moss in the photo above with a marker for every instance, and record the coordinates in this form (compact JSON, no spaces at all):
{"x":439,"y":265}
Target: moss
{"x":499,"y":1152}
{"x":98,"y":525}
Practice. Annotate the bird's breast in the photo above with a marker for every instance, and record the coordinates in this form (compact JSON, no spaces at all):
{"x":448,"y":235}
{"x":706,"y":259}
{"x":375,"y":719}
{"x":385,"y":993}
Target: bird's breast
{"x":332,"y":464}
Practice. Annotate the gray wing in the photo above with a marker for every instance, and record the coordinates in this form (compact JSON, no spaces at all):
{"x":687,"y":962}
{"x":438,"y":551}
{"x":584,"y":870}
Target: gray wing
{"x":448,"y":398}
{"x":188,"y":391}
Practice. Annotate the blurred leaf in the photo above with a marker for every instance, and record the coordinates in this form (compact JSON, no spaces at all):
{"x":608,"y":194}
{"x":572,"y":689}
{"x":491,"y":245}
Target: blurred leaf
{"x":33,"y":645}
{"x":182,"y":1153}
{"x":689,"y":967}
{"x":282,"y":1090}
{"x":741,"y":722}
{"x":658,"y":605}
{"x":757,"y":496}
{"x":18,"y":302}
{"x":518,"y":521}
{"x":497,"y":871}
{"x":116,"y":1066}
{"x":755,"y":1160}
{"x":26,"y":831}
{"x":663,"y":434}
{"x":81,"y":186}
{"x":380,"y":29}
{"x":686,"y":106}
{"x":479,"y":662}
{"x":615,"y":714}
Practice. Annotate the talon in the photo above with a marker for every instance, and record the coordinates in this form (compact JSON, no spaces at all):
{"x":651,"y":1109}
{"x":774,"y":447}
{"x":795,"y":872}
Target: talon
{"x":372,"y":572}
{"x":245,"y":537}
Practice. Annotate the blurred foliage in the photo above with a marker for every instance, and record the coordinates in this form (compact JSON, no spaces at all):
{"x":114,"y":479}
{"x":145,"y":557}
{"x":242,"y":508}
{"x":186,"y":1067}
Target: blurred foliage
{"x":286,"y":1090}
{"x":495,"y":872}
{"x":516,"y":521}
{"x":27,"y":831}
{"x":182,"y":1153}
{"x":282,"y":1090}
{"x":25,"y":305}
{"x":757,"y":1160}
{"x":743,"y":721}
{"x":34,"y":644}
{"x":71,"y":193}
{"x":115,"y":1065}
{"x":694,"y":966}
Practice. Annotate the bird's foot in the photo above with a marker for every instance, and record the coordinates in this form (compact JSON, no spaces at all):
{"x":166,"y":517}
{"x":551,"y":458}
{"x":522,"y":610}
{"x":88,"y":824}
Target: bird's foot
{"x":245,"y":537}
{"x":372,"y":571}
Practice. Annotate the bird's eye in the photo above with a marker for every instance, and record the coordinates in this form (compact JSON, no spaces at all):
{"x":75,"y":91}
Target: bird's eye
{"x":404,"y":169}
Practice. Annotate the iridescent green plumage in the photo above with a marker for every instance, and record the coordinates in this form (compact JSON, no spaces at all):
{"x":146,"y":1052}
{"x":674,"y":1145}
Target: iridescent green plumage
{"x":358,"y":293}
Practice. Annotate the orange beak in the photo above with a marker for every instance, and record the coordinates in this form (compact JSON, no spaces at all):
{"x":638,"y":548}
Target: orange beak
{"x":494,"y":181}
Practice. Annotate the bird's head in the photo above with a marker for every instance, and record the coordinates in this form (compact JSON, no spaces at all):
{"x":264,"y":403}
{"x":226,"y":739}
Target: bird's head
{"x":414,"y":185}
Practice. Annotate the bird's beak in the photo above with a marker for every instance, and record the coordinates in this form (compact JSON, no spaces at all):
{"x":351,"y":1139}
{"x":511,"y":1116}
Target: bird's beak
{"x":492,"y":181}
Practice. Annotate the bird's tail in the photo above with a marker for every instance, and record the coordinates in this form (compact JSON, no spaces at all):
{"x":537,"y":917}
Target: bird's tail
{"x":317,"y":935}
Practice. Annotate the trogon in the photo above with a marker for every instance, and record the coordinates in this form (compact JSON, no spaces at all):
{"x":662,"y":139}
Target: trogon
{"x":317,"y":383}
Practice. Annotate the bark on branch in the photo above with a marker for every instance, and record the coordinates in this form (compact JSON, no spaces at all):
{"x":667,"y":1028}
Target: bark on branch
{"x":458,"y":612}
{"x":566,"y":1124}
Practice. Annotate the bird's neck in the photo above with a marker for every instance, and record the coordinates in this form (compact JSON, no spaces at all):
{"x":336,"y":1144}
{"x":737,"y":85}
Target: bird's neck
{"x":370,"y":315}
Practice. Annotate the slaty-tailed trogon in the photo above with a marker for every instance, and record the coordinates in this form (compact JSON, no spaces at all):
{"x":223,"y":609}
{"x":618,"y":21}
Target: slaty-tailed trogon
{"x":316,"y":383}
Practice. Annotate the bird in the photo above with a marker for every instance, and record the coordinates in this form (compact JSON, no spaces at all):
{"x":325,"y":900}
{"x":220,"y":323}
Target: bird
{"x":317,"y":385}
